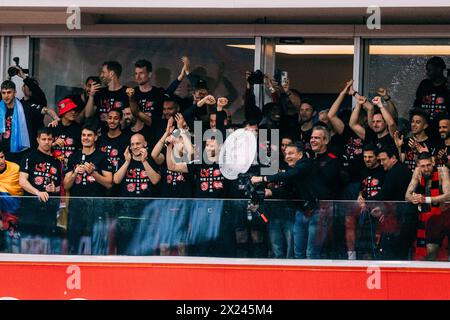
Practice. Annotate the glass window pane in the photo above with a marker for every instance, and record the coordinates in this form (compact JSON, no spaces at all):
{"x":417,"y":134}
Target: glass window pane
{"x":68,"y":62}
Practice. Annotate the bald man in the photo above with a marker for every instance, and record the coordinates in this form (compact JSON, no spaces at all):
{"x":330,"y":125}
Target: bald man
{"x":137,"y":174}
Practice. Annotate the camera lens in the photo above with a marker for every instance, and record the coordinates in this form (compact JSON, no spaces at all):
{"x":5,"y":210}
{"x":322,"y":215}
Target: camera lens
{"x":12,"y":71}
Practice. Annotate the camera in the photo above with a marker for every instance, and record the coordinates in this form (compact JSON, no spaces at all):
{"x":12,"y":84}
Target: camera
{"x":256,"y":77}
{"x":256,"y":195}
{"x":13,"y":71}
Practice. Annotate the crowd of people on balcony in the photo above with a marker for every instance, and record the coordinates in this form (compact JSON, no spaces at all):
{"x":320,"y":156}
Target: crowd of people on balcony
{"x":114,"y":141}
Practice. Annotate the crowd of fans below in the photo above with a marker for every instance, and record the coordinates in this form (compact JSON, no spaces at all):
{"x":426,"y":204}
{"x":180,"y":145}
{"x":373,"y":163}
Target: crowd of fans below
{"x":113,"y":141}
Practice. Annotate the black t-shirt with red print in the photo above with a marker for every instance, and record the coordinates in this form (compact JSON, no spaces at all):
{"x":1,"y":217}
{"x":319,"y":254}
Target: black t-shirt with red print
{"x":209,"y":181}
{"x":411,"y":154}
{"x":151,"y":102}
{"x":6,"y":136}
{"x":136,"y":182}
{"x":433,"y":99}
{"x":113,"y":148}
{"x":372,"y":182}
{"x":445,"y":158}
{"x":71,"y":135}
{"x":106,"y":101}
{"x":42,"y":169}
{"x":85,"y":185}
{"x":176,"y":184}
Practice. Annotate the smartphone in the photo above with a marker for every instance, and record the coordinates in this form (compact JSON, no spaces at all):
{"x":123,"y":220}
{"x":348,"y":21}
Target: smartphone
{"x":284,"y":77}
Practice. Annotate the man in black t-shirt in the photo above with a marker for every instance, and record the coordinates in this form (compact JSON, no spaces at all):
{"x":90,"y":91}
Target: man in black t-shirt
{"x":209,"y":182}
{"x":442,"y":151}
{"x":138,"y":173}
{"x":372,"y":178}
{"x":40,"y":175}
{"x":113,"y":142}
{"x":418,"y":142}
{"x":306,"y":116}
{"x":148,"y":100}
{"x":433,"y":94}
{"x":175,"y":220}
{"x":92,"y":82}
{"x":67,"y":133}
{"x":113,"y":96}
{"x":87,"y":175}
{"x":137,"y":177}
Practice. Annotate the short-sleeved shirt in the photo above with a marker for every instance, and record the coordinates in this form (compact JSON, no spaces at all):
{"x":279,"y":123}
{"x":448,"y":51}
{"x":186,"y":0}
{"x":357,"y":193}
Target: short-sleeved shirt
{"x":209,"y":181}
{"x":176,"y":184}
{"x":113,"y":148}
{"x":352,"y":157}
{"x":136,"y":182}
{"x":433,"y":99}
{"x":71,"y":135}
{"x":151,"y":102}
{"x":371,"y":137}
{"x":85,"y":185}
{"x":411,"y":154}
{"x":372,"y":182}
{"x":42,"y":169}
{"x":106,"y":101}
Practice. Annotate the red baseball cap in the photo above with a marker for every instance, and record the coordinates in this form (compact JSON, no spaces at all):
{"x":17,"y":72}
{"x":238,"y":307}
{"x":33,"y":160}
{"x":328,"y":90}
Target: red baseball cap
{"x":65,"y":106}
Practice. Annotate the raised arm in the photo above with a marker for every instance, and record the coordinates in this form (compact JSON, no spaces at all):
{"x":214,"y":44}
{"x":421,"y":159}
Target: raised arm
{"x":410,"y":192}
{"x":156,"y":154}
{"x":89,"y":109}
{"x":392,"y":126}
{"x":171,"y":164}
{"x":120,"y":174}
{"x":354,"y":118}
{"x":337,"y":123}
{"x":390,"y":105}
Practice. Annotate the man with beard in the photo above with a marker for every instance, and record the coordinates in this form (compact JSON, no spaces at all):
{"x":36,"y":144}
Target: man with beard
{"x":148,"y":100}
{"x":114,"y":142}
{"x":306,"y":115}
{"x":419,"y":141}
{"x":87,"y":175}
{"x":370,"y":186}
{"x":429,"y":189}
{"x":442,"y":153}
{"x":113,"y":96}
{"x":132,"y":125}
{"x":40,"y":175}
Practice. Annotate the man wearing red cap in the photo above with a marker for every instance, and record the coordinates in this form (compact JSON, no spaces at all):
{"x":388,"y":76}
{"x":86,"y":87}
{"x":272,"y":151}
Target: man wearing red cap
{"x":68,"y":132}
